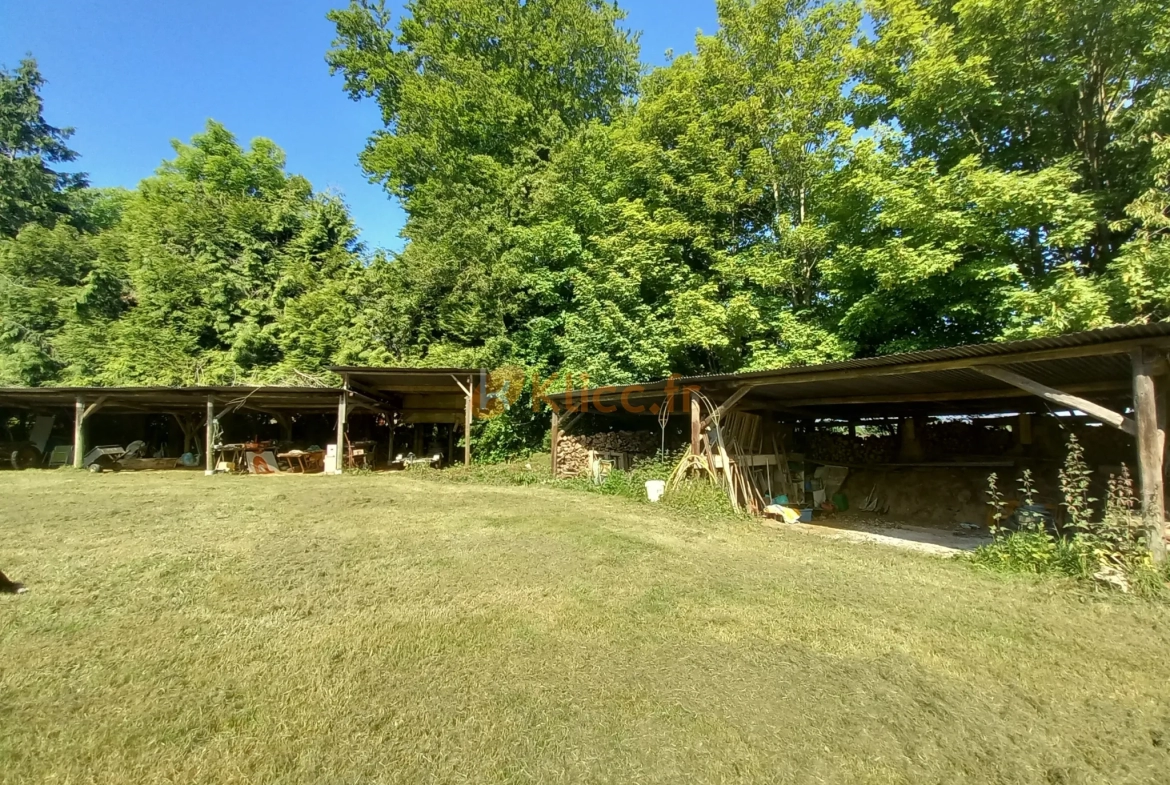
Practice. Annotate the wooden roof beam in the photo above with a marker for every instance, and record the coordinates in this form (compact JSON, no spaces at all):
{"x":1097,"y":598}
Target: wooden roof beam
{"x":726,"y":406}
{"x":570,"y":420}
{"x":358,"y":388}
{"x":367,"y":402}
{"x":944,"y":397}
{"x":1052,"y":395}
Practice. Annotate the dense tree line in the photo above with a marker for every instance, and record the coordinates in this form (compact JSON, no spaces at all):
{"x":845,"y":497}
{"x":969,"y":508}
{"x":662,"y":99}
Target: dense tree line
{"x":817,"y":180}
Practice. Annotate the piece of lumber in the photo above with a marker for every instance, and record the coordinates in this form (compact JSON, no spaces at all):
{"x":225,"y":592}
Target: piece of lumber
{"x":1149,"y":452}
{"x":467,"y":424}
{"x":342,"y":415}
{"x":1052,"y":395}
{"x":373,"y":403}
{"x":749,"y":461}
{"x":209,"y":434}
{"x":696,"y":424}
{"x":556,"y":436}
{"x":93,"y":407}
{"x":78,"y":433}
{"x":732,"y":400}
{"x":364,"y":390}
{"x":956,"y":395}
{"x":1163,"y":416}
{"x":569,"y":421}
{"x":727,"y":473}
{"x":1024,"y":432}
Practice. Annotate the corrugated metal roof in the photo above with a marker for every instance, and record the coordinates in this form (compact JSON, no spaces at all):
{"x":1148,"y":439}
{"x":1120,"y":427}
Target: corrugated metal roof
{"x":1101,"y":371}
{"x":163,"y":398}
{"x":420,"y":388}
{"x":390,"y":371}
{"x":1102,"y":336}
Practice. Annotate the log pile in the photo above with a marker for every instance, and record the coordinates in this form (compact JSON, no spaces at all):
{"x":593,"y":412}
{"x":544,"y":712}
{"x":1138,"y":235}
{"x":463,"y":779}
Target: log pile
{"x":940,"y":441}
{"x":827,"y":447}
{"x":573,"y":451}
{"x":947,"y":440}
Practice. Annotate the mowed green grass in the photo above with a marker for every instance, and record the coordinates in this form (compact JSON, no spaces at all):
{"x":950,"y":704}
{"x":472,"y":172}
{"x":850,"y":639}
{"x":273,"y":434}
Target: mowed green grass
{"x":379,"y":629}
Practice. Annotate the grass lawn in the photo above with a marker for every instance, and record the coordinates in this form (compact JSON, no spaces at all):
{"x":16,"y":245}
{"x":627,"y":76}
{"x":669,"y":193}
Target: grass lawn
{"x":371,"y":629}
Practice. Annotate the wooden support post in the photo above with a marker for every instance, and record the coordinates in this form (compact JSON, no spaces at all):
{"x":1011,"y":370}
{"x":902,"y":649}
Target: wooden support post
{"x":285,"y":428}
{"x":392,"y":456}
{"x":467,"y":426}
{"x":696,"y":425}
{"x":1149,"y":452}
{"x":78,"y":433}
{"x":911,"y":449}
{"x":1024,"y":430}
{"x":1160,"y":384}
{"x":209,"y":446}
{"x":339,"y":468}
{"x":450,"y":456}
{"x":555,"y":437}
{"x":188,"y":426}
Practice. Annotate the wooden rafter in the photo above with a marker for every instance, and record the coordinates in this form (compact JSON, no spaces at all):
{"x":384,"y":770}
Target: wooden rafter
{"x":369,"y":393}
{"x":569,"y":421}
{"x":231,"y":407}
{"x":724,"y":407}
{"x":93,"y":407}
{"x":944,"y":397}
{"x":374,"y":404}
{"x":1051,"y":394}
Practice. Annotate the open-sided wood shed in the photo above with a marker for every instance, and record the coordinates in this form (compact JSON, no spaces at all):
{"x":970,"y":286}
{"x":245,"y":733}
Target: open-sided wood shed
{"x":403,"y":395}
{"x":416,"y":395}
{"x":205,"y":405}
{"x":1116,"y":376}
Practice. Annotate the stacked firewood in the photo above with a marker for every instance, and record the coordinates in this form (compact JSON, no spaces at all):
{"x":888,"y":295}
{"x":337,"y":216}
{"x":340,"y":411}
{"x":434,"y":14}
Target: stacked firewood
{"x":573,"y":451}
{"x":943,"y":440}
{"x":829,"y":447}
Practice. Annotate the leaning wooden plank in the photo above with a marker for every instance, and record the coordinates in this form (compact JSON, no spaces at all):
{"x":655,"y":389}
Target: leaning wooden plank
{"x":729,"y":477}
{"x":1094,"y":410}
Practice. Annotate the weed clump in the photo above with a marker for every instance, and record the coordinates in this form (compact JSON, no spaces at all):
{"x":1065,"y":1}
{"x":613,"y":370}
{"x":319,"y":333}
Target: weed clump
{"x":1111,"y":549}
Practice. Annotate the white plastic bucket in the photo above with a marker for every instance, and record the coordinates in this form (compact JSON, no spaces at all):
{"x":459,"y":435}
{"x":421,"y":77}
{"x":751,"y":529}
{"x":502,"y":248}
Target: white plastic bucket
{"x":655,"y":489}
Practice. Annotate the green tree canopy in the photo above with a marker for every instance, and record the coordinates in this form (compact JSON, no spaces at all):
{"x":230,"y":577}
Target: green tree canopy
{"x":30,"y":190}
{"x":476,"y":97}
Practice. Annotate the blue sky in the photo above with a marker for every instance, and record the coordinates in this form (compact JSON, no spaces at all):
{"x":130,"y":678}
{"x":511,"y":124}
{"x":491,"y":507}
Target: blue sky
{"x":132,"y":75}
